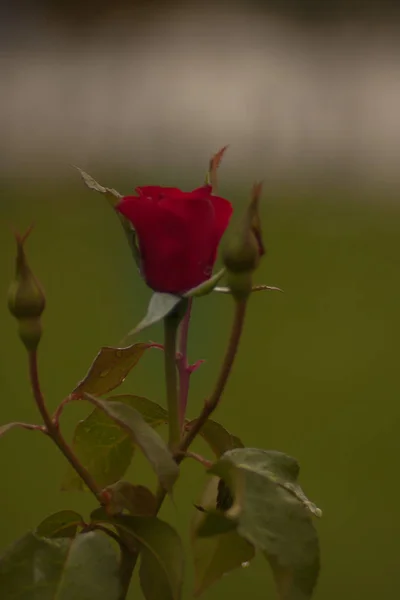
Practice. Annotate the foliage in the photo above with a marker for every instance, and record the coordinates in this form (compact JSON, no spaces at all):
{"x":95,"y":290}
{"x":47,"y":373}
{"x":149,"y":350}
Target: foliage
{"x":251,"y":500}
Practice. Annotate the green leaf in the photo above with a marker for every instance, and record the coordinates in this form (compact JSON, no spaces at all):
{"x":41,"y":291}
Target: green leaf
{"x":144,"y":436}
{"x":161,"y":552}
{"x":293,"y":584}
{"x":152,"y":413}
{"x":37,"y":568}
{"x":214,"y":523}
{"x":113,"y":197}
{"x":160,"y":306}
{"x":206,"y":287}
{"x":217,"y":555}
{"x":104,"y":449}
{"x":137,"y":499}
{"x":110,"y":368}
{"x":274,"y":515}
{"x":61,"y":524}
{"x":218,"y":438}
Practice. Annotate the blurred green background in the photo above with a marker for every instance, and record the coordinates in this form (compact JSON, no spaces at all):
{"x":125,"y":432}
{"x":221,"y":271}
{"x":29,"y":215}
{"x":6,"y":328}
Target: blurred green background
{"x":316,"y":375}
{"x":307,"y":95}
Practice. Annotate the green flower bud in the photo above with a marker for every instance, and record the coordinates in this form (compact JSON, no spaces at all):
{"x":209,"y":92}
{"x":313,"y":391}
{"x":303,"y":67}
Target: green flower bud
{"x":240,"y":284}
{"x":30,"y":332}
{"x":243,"y":249}
{"x":241,"y":253}
{"x":26,"y":299}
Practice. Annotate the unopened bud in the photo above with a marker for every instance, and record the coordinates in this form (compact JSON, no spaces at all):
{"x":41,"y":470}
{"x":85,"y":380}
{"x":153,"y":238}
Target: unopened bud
{"x":244,"y":249}
{"x":26,"y":299}
{"x":239,"y":284}
{"x":241,"y":254}
{"x":30,"y":332}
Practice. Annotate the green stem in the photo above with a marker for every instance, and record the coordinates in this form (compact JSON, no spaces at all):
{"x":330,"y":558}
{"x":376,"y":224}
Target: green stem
{"x":183,"y":366}
{"x":129,"y":561}
{"x":213,"y":401}
{"x":171,"y":324}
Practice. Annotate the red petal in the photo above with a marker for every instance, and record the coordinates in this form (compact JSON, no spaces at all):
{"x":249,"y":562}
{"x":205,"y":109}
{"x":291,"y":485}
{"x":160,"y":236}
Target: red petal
{"x":223,"y":212}
{"x":156,"y":192}
{"x":175,"y":237}
{"x":132,"y":207}
{"x":202,"y":192}
{"x":178,"y":234}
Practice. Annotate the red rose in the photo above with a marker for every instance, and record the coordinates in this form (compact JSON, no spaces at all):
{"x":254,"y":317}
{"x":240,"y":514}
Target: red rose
{"x":178,"y":234}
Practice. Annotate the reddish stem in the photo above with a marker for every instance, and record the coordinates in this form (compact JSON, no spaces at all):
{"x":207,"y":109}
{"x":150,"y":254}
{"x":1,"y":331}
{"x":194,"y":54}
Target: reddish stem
{"x":184,"y":369}
{"x":197,"y":457}
{"x":53,"y":431}
{"x":60,"y":408}
{"x":212,"y":403}
{"x":31,"y":427}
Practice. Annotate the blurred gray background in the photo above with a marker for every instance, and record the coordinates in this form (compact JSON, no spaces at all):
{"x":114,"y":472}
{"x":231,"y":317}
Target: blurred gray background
{"x":301,"y":91}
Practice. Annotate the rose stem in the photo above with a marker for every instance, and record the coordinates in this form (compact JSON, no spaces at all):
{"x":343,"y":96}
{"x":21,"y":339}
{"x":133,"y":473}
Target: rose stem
{"x":171,"y":324}
{"x":128,"y":557}
{"x":211,"y":404}
{"x":128,"y":560}
{"x":53,"y":430}
{"x":183,"y":366}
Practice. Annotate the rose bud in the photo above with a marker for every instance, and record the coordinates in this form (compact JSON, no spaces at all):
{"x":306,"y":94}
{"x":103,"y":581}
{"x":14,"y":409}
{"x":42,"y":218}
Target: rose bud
{"x":178,"y":234}
{"x":244,"y":248}
{"x":26,"y":299}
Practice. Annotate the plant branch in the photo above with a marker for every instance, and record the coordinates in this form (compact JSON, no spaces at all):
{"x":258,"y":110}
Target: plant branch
{"x":197,"y":457}
{"x":28,"y":426}
{"x":60,"y":408}
{"x":53,"y":430}
{"x":171,"y":324}
{"x":183,"y":365}
{"x":129,"y":559}
{"x":211,"y":404}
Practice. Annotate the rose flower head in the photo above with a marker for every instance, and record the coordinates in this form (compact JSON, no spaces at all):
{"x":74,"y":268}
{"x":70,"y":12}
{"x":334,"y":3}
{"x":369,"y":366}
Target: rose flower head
{"x":178,"y":234}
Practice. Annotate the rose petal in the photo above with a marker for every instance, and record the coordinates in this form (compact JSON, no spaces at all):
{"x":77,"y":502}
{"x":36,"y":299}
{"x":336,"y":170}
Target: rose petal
{"x":178,"y":234}
{"x":156,"y":192}
{"x":202,"y":192}
{"x":223,"y":212}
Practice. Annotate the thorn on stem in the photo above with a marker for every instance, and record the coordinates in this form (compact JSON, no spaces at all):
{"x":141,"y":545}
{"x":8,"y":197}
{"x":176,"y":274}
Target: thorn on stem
{"x":192,"y":368}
